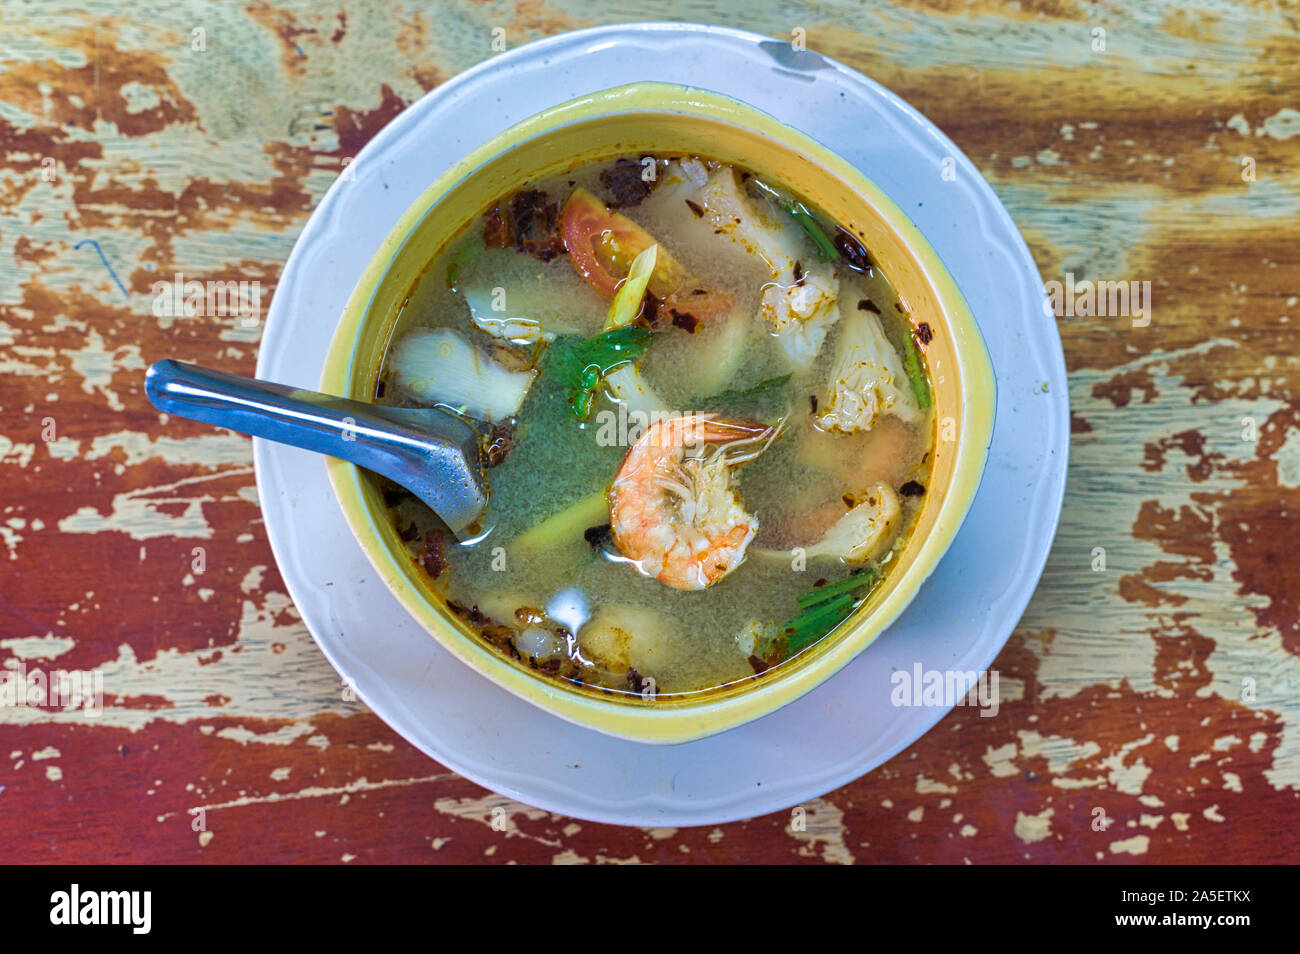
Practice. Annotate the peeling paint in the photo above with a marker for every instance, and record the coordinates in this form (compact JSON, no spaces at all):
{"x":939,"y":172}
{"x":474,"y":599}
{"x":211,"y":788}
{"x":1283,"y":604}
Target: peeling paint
{"x":1162,"y":686}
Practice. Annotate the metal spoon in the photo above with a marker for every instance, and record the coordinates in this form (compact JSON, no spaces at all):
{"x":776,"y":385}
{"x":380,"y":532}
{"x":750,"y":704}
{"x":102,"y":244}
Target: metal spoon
{"x":431,"y":453}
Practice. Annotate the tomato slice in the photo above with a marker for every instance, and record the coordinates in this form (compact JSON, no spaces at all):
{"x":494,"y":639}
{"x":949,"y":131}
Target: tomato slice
{"x":602,"y":245}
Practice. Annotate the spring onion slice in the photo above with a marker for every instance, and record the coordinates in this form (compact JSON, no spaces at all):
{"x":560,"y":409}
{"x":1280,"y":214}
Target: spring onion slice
{"x":814,"y":623}
{"x":915,"y":368}
{"x":826,"y":250}
{"x":820,"y":594}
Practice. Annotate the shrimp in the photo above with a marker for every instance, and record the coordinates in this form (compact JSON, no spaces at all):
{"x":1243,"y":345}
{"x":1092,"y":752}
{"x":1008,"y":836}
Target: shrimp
{"x":676,"y":517}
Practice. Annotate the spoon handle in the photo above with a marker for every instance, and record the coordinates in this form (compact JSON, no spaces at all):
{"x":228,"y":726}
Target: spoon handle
{"x":274,"y":411}
{"x":434,"y":456}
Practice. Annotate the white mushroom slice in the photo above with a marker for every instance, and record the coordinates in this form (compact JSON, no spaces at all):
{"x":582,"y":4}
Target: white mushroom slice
{"x":517,"y":329}
{"x":441,"y":367}
{"x":866,"y":531}
{"x":625,"y":637}
{"x":867,"y":379}
{"x":799,"y":302}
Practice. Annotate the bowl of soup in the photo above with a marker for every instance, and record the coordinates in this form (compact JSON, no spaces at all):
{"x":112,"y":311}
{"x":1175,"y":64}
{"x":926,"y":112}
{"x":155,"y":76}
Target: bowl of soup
{"x":732,"y":409}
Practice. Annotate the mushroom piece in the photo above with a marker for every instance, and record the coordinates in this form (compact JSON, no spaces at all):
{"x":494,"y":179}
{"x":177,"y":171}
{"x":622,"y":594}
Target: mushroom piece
{"x":867,"y":379}
{"x":866,"y":531}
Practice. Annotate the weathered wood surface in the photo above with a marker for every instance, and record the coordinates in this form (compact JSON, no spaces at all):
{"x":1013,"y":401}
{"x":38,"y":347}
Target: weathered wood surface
{"x":1160,"y":690}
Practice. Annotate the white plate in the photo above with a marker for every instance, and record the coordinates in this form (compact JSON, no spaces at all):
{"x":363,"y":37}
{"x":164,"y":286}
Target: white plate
{"x":962,"y":615}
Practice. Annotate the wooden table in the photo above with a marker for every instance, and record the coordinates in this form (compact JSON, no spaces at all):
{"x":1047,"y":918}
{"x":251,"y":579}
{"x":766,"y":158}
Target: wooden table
{"x":1152,"y":682}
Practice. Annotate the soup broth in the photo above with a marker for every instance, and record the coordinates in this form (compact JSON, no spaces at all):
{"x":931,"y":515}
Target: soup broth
{"x":706,"y":417}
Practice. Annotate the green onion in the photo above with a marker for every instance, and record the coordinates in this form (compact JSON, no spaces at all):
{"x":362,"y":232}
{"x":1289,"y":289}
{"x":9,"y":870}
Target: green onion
{"x":826,"y":250}
{"x":915,"y":368}
{"x":582,"y":403}
{"x":814,"y":623}
{"x":820,"y":594}
{"x":823,"y":608}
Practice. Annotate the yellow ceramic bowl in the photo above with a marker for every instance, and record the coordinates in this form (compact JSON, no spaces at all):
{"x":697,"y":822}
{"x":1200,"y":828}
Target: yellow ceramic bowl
{"x":662,"y":118}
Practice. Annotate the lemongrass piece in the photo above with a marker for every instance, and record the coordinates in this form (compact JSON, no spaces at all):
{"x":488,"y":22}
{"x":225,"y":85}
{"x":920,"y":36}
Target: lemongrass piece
{"x":722,"y":345}
{"x":627,"y":300}
{"x":566,"y":526}
{"x":624,"y":383}
{"x":441,"y":367}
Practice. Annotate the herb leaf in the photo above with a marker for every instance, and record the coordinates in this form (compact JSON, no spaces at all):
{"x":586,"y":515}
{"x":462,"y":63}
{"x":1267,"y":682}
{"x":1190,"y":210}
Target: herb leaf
{"x":764,"y":397}
{"x":596,"y":357}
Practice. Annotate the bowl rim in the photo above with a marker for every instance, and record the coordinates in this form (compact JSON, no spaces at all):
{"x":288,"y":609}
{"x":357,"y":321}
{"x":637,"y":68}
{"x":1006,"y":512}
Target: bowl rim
{"x":686,"y":721}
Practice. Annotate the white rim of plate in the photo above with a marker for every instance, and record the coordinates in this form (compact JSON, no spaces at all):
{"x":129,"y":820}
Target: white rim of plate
{"x":832,"y":735}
